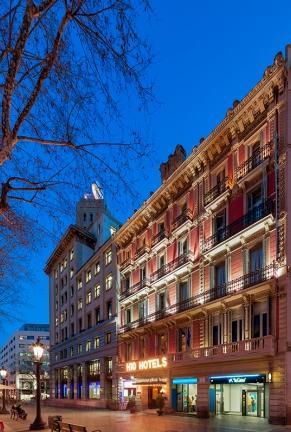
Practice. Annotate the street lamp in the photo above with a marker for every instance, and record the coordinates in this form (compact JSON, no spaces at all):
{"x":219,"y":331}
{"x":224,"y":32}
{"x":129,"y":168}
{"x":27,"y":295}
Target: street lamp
{"x":38,"y":349}
{"x":3,"y":375}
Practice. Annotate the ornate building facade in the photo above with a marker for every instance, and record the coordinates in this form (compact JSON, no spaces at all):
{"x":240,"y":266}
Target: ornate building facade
{"x":82,"y":274}
{"x":205,"y":301}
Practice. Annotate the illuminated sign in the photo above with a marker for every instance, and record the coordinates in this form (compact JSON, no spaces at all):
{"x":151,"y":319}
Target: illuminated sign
{"x":238,"y":379}
{"x":185,"y":380}
{"x":150,"y":381}
{"x":141,"y":365}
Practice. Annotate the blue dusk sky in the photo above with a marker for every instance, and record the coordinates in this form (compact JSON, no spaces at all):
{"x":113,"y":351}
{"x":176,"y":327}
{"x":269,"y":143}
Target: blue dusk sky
{"x":207,"y":54}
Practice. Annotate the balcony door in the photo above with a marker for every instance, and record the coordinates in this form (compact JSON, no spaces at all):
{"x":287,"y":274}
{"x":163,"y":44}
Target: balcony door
{"x":256,"y":260}
{"x":219,"y":225}
{"x":220,"y":280}
{"x":143,"y":273}
{"x":183,"y":247}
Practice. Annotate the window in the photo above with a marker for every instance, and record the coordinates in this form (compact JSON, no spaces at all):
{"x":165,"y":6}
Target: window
{"x":97,"y":291}
{"x":72,"y":291}
{"x":220,"y":177}
{"x":161,"y":261}
{"x":108,"y":282}
{"x":108,"y":337}
{"x":108,"y":366}
{"x":65,"y":263}
{"x":109,"y":309}
{"x":219,"y":225}
{"x":143,"y":273}
{"x":184,"y":339}
{"x":216,"y":335}
{"x":161,"y":301}
{"x":71,"y":351}
{"x":108,"y":256}
{"x":88,"y":297}
{"x":80,"y":348}
{"x":142,"y":309}
{"x":143,"y":347}
{"x":88,"y":345}
{"x":97,"y":268}
{"x":255,"y":198}
{"x":71,"y":272}
{"x":91,"y":217}
{"x":162,"y":343}
{"x":97,"y":342}
{"x":79,"y":284}
{"x":220,"y":275}
{"x":89,"y":320}
{"x":71,"y":254}
{"x":183,"y":291}
{"x":256,"y":258}
{"x":56,"y":273}
{"x":236,"y":330}
{"x":94,"y":367}
{"x":97,"y":315}
{"x":128,"y":315}
{"x":72,"y":329}
{"x":129,"y":351}
{"x":161,"y":227}
{"x":182,"y":247}
{"x":80,"y":325}
{"x":80,"y":303}
{"x":88,"y":276}
{"x":57,"y":305}
{"x":126,"y":283}
{"x":57,"y":322}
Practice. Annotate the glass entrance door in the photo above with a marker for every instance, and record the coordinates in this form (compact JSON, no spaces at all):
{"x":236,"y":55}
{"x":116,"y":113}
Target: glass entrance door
{"x":252,"y":403}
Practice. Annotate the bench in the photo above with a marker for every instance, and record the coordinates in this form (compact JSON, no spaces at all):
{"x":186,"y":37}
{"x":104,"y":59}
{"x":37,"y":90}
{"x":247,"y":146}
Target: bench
{"x":54,"y":423}
{"x":68,"y":427}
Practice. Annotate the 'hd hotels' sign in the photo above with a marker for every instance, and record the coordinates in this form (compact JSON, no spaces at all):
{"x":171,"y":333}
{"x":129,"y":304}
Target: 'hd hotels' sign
{"x":156,"y":363}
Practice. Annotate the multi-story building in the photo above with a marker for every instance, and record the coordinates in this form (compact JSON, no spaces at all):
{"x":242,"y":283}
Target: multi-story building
{"x":82,"y":274}
{"x":17,"y":357}
{"x":205,"y":303}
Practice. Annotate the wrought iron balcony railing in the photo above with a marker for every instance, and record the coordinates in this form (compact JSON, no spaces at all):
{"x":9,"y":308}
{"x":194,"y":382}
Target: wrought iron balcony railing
{"x":171,"y":266}
{"x":235,"y":227}
{"x":250,"y":279}
{"x":125,"y":263}
{"x":182,"y":218}
{"x":158,"y":237}
{"x":134,"y":288}
{"x":217,"y":190}
{"x":141,"y":251}
{"x":255,"y":160}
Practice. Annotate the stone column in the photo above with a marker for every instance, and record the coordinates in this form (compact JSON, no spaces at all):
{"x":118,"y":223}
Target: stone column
{"x":246,"y":318}
{"x":75,"y":375}
{"x":84,"y":394}
{"x":202,"y":399}
{"x":225,"y":326}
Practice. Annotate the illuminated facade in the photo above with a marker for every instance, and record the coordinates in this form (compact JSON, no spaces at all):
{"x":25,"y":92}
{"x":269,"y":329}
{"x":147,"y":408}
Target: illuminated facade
{"x":82,"y":274}
{"x":205,"y":300}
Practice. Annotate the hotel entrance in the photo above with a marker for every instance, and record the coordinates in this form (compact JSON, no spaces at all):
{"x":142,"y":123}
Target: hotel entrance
{"x":239,"y":395}
{"x":153,"y":393}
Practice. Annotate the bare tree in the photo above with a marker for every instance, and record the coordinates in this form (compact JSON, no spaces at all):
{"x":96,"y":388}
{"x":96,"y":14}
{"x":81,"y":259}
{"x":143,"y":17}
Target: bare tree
{"x":68,"y":68}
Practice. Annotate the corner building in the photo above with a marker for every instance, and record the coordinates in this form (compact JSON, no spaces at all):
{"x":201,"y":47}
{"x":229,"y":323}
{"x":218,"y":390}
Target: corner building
{"x":82,"y":274}
{"x":205,"y":302}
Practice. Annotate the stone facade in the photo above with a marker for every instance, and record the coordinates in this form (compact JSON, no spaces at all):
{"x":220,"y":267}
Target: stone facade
{"x":205,"y":269}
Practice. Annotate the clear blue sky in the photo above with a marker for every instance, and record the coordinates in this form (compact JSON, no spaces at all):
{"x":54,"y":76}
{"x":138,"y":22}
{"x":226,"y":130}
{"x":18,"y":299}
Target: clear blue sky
{"x":207,"y":54}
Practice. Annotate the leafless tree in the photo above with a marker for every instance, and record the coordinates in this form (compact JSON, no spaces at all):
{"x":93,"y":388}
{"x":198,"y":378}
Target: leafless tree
{"x":68,"y":69}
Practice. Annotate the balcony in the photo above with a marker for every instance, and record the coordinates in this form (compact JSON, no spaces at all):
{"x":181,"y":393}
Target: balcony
{"x":256,"y":214}
{"x":227,"y":289}
{"x":126,"y":265}
{"x":134,"y":289}
{"x":172,"y":266}
{"x":182,"y":222}
{"x":257,"y":347}
{"x":257,"y":158}
{"x":219,"y":192}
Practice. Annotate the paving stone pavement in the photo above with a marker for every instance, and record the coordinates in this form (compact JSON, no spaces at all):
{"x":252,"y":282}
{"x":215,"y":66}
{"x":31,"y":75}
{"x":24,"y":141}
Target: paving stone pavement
{"x":116,"y":421}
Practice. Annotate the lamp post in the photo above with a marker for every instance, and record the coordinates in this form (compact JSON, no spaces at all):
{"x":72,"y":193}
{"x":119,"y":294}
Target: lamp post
{"x":38,"y":349}
{"x":3,"y":375}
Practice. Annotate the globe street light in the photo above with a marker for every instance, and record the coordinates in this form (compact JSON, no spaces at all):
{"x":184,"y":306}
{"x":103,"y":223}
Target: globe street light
{"x":38,"y":349}
{"x":3,"y":375}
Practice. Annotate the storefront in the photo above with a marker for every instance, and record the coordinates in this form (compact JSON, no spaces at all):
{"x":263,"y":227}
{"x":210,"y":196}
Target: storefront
{"x":145,"y":381}
{"x":184,"y":395}
{"x":246,"y":395}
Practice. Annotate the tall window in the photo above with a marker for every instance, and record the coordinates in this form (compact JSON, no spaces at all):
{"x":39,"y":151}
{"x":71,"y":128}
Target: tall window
{"x":97,"y":268}
{"x":89,"y":320}
{"x":184,"y":339}
{"x":80,"y":303}
{"x":161,"y":301}
{"x":161,"y":261}
{"x":183,"y":291}
{"x":216,"y":334}
{"x":220,"y":277}
{"x":162,"y":343}
{"x":109,"y":309}
{"x":255,"y":198}
{"x":88,"y":275}
{"x":256,"y":258}
{"x":108,"y":282}
{"x":143,"y":273}
{"x":108,"y":337}
{"x":88,"y":345}
{"x":97,"y":315}
{"x":236,"y":330}
{"x":219,"y":225}
{"x":182,"y":247}
{"x":108,"y":256}
{"x":88,"y":297}
{"x":142,"y":309}
{"x":97,"y":342}
{"x":128,"y":315}
{"x":97,"y":291}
